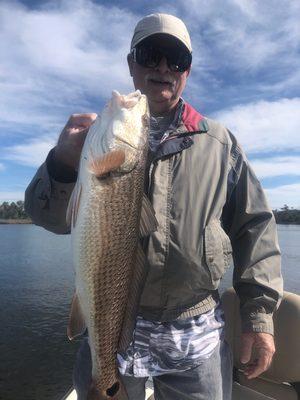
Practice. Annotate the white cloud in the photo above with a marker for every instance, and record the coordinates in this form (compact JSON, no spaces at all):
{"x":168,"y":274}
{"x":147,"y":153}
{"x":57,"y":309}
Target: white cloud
{"x":32,"y":153}
{"x":60,"y":55}
{"x":283,"y":85}
{"x":276,"y":166}
{"x":245,"y":33}
{"x":243,"y":50}
{"x":247,"y":7}
{"x":265,"y":126}
{"x":287,"y":194}
{"x":74,"y":41}
{"x":2,"y":167}
{"x":54,"y":58}
{"x":11,"y":196}
{"x":65,"y":56}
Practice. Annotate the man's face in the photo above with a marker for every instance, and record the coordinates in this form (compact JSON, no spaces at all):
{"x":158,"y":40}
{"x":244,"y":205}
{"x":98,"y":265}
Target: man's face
{"x":160,"y":84}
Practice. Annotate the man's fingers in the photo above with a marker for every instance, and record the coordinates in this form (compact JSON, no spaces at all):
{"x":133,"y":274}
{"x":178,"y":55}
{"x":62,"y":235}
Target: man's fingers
{"x":261,"y":365}
{"x":72,"y":137}
{"x":78,"y":125}
{"x":263,"y":344}
{"x":82,"y":120}
{"x":72,"y":130}
{"x":246,"y":348}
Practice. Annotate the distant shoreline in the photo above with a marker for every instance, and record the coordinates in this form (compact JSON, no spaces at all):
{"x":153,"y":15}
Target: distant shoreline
{"x":15,"y":221}
{"x":287,"y":223}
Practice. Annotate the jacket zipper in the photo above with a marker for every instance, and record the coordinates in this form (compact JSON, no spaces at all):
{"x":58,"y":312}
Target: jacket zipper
{"x":154,"y":158}
{"x":153,"y":165}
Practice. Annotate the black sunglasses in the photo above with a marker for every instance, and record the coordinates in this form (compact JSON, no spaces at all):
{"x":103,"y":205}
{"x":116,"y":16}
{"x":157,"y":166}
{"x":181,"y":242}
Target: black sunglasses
{"x":178,"y":60}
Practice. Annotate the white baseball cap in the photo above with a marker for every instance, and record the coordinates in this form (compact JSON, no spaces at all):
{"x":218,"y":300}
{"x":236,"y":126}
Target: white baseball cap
{"x":161,"y":23}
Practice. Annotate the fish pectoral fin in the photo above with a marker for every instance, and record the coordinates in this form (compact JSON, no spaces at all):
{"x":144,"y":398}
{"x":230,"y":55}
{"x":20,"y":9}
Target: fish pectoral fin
{"x":148,"y":222}
{"x":107,"y":163}
{"x":73,"y":206}
{"x":76,"y":326}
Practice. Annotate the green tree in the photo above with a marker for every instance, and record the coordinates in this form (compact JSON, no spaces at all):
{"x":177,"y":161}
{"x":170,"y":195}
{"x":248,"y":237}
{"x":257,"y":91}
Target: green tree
{"x":13,"y":210}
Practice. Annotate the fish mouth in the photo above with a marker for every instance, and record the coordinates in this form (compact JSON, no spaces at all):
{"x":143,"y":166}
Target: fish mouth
{"x":95,"y":394}
{"x":113,"y":390}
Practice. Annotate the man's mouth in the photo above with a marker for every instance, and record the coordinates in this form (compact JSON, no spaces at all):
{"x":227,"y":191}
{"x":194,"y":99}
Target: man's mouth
{"x":160,"y":81}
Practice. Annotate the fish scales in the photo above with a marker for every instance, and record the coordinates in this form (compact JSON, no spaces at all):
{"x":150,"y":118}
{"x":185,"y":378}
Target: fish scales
{"x":105,"y":212}
{"x":108,"y":257}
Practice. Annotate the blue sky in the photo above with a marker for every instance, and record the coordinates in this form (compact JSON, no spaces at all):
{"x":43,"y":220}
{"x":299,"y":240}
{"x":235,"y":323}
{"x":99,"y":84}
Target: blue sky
{"x":61,"y":57}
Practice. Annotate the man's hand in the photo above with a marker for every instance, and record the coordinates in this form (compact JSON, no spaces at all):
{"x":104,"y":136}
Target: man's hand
{"x":71,"y":139}
{"x":263,"y":343}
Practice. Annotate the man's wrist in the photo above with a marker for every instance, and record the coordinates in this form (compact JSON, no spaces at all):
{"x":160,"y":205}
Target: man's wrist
{"x":258,"y":322}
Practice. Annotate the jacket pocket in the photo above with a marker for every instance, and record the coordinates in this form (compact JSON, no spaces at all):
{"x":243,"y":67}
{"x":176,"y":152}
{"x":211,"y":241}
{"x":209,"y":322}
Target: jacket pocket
{"x":217,"y":249}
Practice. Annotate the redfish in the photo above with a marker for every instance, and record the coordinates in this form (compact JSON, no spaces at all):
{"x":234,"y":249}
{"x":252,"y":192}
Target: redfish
{"x":109,"y":214}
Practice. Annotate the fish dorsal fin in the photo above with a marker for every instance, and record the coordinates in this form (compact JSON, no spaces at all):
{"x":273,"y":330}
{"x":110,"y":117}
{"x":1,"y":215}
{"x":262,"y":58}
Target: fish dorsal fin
{"x":107,"y":163}
{"x":76,"y":326}
{"x":73,"y":206}
{"x":148,"y":222}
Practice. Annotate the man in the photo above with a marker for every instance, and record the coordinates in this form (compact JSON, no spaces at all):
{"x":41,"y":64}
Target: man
{"x":208,"y":202}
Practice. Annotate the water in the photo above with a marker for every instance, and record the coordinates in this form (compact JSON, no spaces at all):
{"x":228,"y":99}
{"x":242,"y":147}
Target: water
{"x":36,"y":287}
{"x":289,"y":241}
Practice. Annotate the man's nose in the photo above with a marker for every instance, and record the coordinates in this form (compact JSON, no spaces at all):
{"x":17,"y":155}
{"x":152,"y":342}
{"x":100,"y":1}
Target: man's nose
{"x":163,"y":65}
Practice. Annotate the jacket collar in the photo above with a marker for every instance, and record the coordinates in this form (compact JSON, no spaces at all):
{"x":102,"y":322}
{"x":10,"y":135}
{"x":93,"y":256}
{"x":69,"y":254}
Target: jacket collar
{"x":191,"y":119}
{"x":187,"y":122}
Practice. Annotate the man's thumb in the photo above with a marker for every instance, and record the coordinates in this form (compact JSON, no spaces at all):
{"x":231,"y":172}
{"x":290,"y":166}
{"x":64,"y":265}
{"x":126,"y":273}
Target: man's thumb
{"x":247,"y":341}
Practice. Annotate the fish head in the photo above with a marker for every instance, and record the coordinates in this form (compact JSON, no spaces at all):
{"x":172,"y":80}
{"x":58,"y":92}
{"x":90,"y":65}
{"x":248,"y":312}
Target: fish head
{"x":119,"y":136}
{"x":129,"y":127}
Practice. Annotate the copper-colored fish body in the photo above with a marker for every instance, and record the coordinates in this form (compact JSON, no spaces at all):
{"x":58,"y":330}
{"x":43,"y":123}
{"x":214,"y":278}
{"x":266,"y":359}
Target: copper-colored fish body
{"x":105,"y":209}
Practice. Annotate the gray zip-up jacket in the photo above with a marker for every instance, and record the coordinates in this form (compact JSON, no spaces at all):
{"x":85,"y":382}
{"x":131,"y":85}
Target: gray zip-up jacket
{"x":209,"y":206}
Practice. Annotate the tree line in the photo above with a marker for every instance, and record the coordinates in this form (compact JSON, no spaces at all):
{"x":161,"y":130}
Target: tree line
{"x":15,"y":210}
{"x":287,"y":215}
